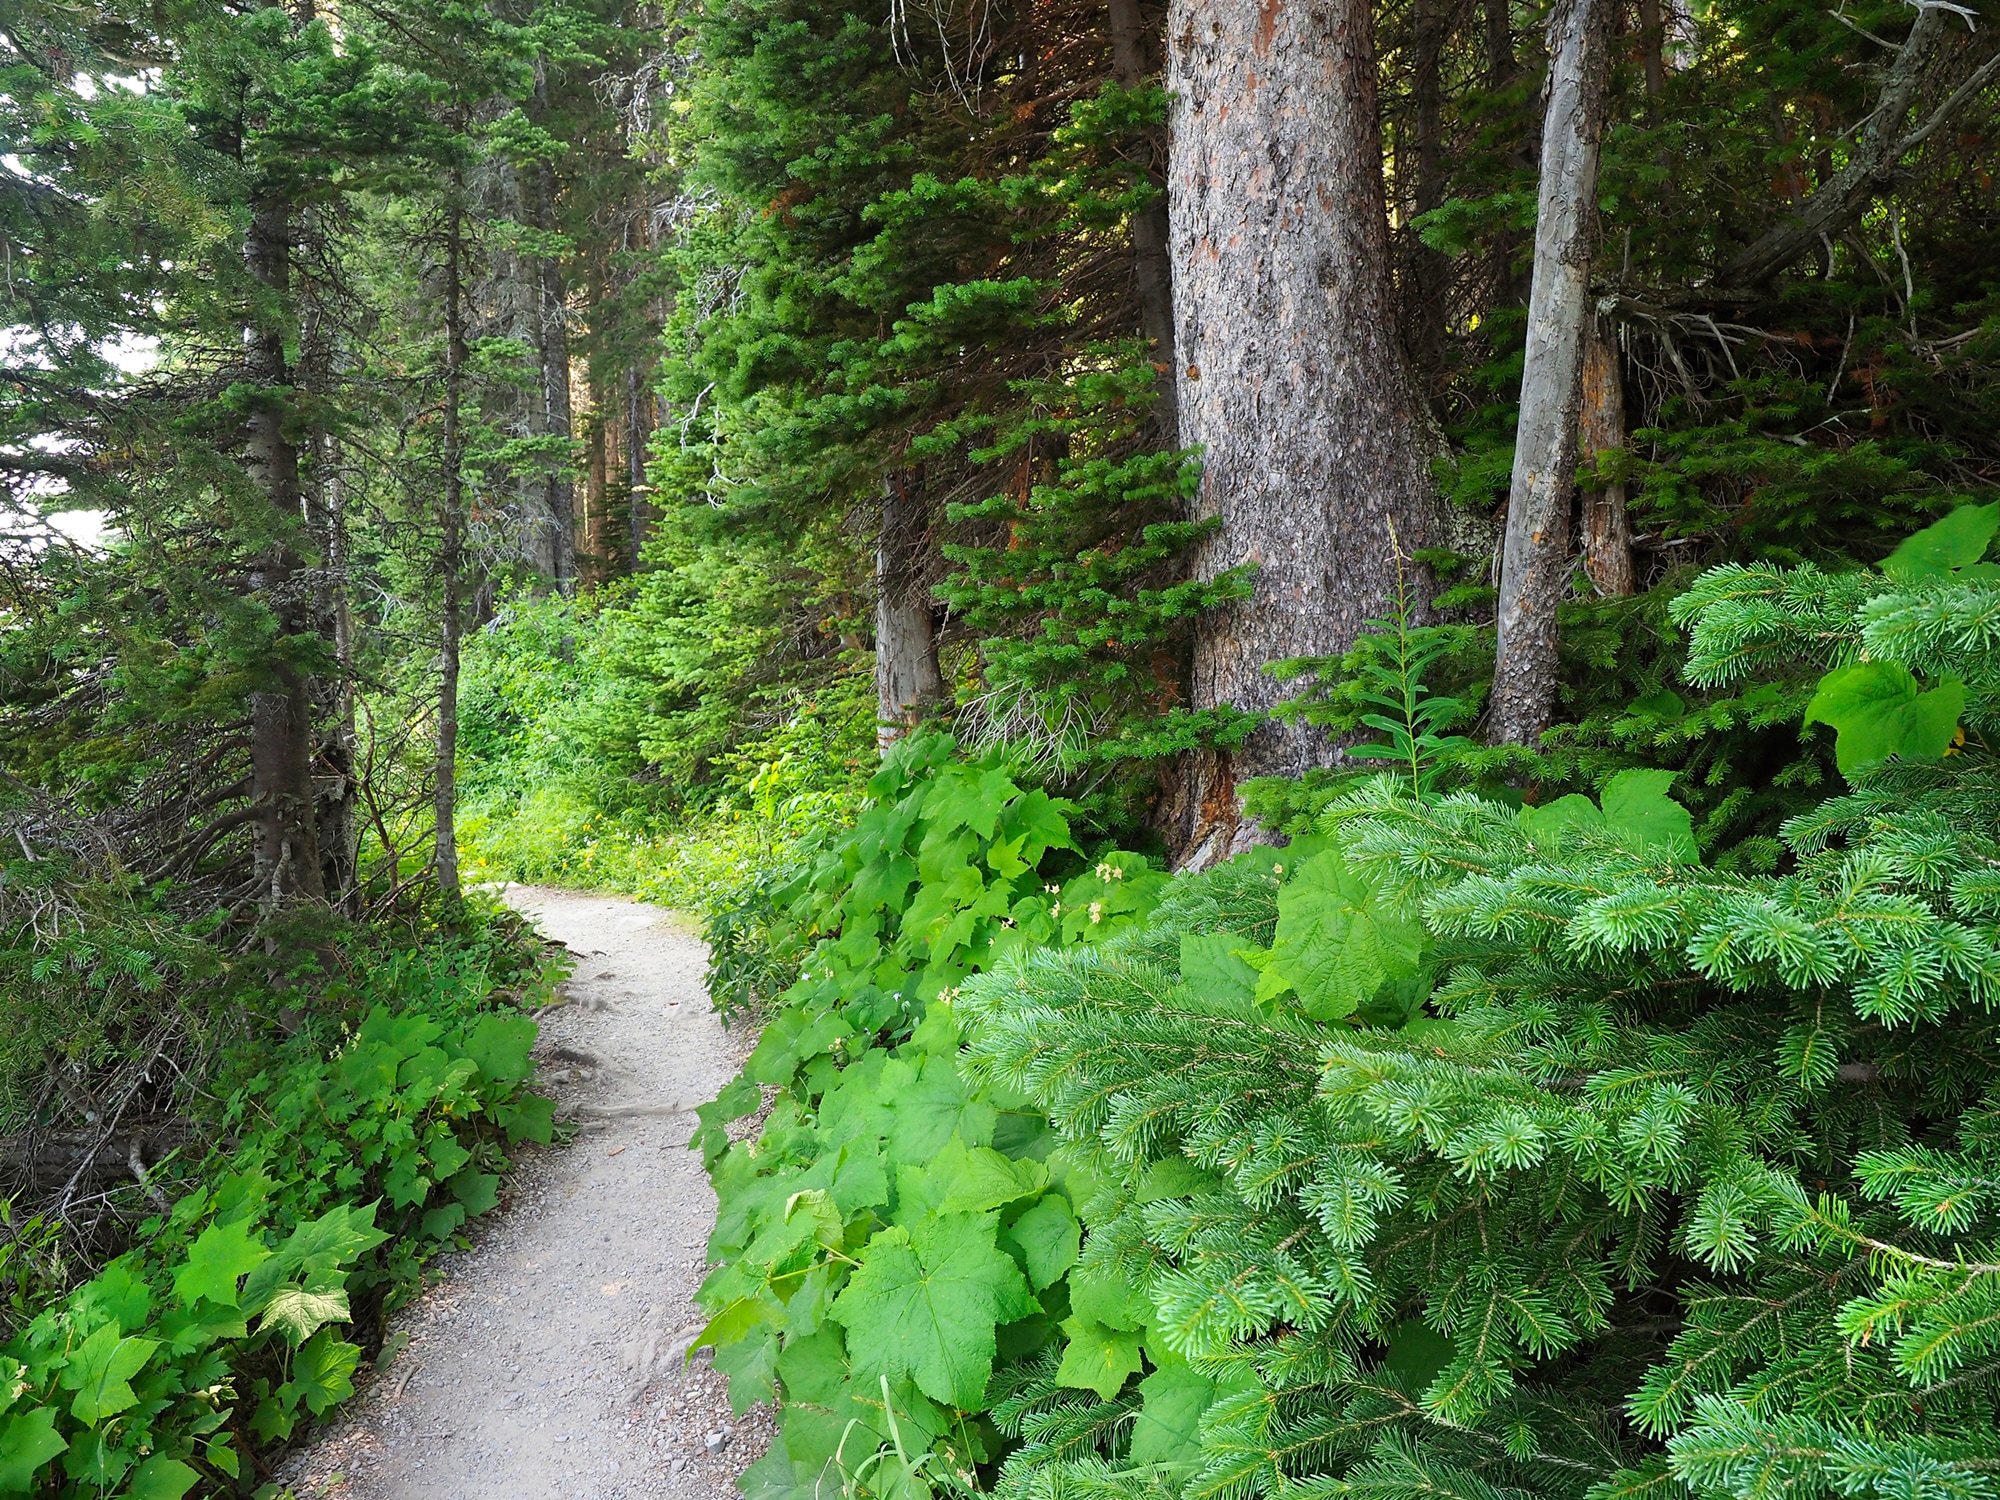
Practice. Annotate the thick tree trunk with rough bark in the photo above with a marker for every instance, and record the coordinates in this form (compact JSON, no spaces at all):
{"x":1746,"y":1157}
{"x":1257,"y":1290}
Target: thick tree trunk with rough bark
{"x":1292,"y":374}
{"x":1535,"y":563}
{"x":444,"y":857}
{"x":1152,"y":270}
{"x":1607,"y":533}
{"x":285,"y":843}
{"x":908,"y":683}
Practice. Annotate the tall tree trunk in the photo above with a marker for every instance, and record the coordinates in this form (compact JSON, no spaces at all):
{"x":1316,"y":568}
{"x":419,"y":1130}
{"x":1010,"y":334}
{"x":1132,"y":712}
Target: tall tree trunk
{"x":1535,"y":563}
{"x":1426,"y":279}
{"x":638,"y":430}
{"x":552,"y":347}
{"x":450,"y":560}
{"x":1293,"y":379}
{"x":1653,"y":51}
{"x":285,"y":844}
{"x":341,"y":830}
{"x":1607,"y":533}
{"x":1152,"y":271}
{"x":908,"y":683}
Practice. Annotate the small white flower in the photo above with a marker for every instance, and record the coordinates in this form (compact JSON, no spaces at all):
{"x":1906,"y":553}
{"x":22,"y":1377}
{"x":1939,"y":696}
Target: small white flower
{"x":1097,"y":911}
{"x":1053,"y":890}
{"x":1277,"y":869}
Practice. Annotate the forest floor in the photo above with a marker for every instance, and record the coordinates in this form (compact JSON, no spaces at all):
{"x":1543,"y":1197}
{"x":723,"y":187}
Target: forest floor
{"x":547,"y":1363}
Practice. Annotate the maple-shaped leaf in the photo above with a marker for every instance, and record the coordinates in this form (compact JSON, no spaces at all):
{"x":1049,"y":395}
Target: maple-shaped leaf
{"x":27,"y":1441}
{"x":219,"y":1257}
{"x":1098,"y":1358}
{"x":101,"y":1370}
{"x":925,"y":1302}
{"x":1337,"y":939}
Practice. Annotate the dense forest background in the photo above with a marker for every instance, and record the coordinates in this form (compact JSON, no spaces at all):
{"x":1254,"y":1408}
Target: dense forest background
{"x":1325,"y":670}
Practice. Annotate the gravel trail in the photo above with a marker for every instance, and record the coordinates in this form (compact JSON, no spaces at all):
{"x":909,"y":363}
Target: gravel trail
{"x":547,"y":1363}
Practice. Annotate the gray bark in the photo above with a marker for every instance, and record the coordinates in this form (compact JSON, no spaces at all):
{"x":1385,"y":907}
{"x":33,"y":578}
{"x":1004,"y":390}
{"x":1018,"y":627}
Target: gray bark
{"x":1292,"y":375}
{"x":638,"y":430}
{"x":1152,"y":270}
{"x":908,"y":683}
{"x":1535,"y":562}
{"x":1607,"y":532}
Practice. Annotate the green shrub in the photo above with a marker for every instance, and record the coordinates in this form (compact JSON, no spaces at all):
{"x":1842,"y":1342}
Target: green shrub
{"x":345,"y":1169}
{"x":892,"y":1233}
{"x":1461,"y":1148}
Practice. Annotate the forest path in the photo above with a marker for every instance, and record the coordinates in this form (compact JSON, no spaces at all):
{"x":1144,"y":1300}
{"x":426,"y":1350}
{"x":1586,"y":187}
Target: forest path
{"x":547,"y":1362}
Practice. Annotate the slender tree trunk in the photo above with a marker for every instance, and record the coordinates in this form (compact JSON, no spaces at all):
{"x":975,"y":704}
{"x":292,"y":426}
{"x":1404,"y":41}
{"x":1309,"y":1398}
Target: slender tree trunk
{"x":1426,"y":279}
{"x":285,"y":844}
{"x":908,"y":683}
{"x":450,"y":559}
{"x":1500,"y":64}
{"x":1607,"y":534}
{"x":637,"y":434}
{"x":1293,"y":378}
{"x":1152,"y":270}
{"x":344,"y":825}
{"x":552,"y":346}
{"x":1535,"y":564}
{"x":1653,"y":49}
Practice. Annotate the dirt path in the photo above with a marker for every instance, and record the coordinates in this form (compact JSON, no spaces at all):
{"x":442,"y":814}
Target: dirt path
{"x":547,"y":1361}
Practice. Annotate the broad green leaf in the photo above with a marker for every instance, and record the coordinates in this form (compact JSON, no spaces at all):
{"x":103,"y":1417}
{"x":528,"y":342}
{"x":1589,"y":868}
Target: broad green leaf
{"x":300,"y":1310}
{"x":338,"y":1237}
{"x":220,"y":1256}
{"x":1213,"y":967}
{"x":28,"y":1440}
{"x":478,"y":1191}
{"x":1098,"y":1358}
{"x":322,"y":1372}
{"x":96,"y":1459}
{"x":1958,"y":540}
{"x":1168,"y":1427}
{"x":1878,"y":712}
{"x":1048,"y":1237}
{"x":1417,"y":1352}
{"x":1638,"y":810}
{"x":501,"y":1046}
{"x":750,"y":1364}
{"x":974,"y":1179}
{"x":925,"y":1302}
{"x":931,"y":1106}
{"x":162,"y":1478}
{"x":100,"y":1372}
{"x":1552,"y":819}
{"x":1098,"y":1290}
{"x":1337,"y":939}
{"x":443,"y":1221}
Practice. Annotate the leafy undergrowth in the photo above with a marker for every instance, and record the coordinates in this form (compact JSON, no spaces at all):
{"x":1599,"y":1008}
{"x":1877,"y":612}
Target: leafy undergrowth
{"x":241,"y":1311}
{"x":1460,"y":1148}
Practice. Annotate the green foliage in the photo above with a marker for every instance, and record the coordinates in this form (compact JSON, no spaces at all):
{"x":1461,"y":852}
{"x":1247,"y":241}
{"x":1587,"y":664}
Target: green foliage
{"x":1698,"y":1146}
{"x":892,"y":1238}
{"x":222,"y":1329}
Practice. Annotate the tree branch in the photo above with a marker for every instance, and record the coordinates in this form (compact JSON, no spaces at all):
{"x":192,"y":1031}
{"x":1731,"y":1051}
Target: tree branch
{"x":1875,"y":164}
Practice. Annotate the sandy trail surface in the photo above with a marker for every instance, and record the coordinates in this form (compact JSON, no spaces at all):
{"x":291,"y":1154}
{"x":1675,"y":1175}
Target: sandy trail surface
{"x":548,"y":1361}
